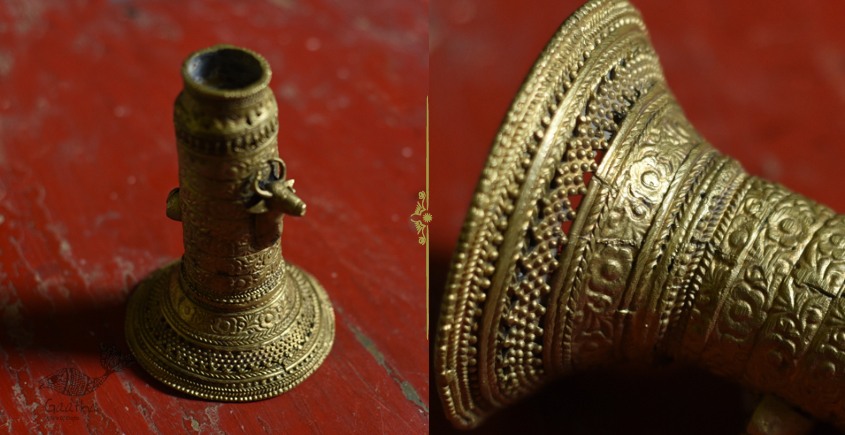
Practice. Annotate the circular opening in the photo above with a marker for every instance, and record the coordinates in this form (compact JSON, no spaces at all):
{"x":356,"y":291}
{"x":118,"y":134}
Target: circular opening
{"x":225,"y":69}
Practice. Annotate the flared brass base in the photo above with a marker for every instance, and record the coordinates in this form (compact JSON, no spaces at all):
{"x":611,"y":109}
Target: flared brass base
{"x":230,"y":355}
{"x":605,"y":231}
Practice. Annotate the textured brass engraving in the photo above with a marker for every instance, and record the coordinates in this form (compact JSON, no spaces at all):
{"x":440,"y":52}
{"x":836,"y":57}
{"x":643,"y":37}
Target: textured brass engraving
{"x":605,"y":230}
{"x":232,"y":320}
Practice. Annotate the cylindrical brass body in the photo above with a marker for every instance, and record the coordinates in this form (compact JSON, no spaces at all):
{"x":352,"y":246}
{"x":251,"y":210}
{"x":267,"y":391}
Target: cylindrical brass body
{"x":225,"y":141}
{"x":231,"y":321}
{"x":605,"y":231}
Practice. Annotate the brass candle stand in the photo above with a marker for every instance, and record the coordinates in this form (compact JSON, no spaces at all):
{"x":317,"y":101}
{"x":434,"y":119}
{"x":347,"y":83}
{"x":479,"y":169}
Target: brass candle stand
{"x":605,"y":231}
{"x":231,"y":320}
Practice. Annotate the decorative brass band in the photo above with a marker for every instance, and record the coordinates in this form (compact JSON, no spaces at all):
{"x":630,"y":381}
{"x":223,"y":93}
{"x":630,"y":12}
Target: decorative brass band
{"x":243,"y":366}
{"x":672,"y":250}
{"x":230,"y":321}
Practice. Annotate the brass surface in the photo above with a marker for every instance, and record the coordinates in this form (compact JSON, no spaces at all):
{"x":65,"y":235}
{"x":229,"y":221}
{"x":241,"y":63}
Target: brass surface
{"x":231,"y":320}
{"x":604,"y":230}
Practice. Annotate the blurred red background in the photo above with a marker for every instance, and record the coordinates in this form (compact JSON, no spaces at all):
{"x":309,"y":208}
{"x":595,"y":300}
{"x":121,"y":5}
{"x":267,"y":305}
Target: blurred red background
{"x":764,"y":82}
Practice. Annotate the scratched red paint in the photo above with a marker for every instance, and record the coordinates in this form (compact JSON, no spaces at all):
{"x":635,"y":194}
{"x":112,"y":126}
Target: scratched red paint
{"x":764,"y":81}
{"x":87,"y":157}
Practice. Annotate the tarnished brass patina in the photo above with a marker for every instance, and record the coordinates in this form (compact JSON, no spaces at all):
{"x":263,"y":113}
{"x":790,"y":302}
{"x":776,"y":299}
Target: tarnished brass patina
{"x":232,"y":320}
{"x":605,"y":230}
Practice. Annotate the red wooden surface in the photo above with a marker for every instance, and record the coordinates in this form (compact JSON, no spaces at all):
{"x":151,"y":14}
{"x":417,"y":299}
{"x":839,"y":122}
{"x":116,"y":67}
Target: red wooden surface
{"x":87,"y":156}
{"x":763,"y":81}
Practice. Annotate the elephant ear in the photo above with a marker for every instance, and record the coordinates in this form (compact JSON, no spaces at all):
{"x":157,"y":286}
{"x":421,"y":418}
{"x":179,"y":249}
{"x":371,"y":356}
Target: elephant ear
{"x":173,"y":207}
{"x":259,"y":208}
{"x":263,"y":196}
{"x":278,"y":169}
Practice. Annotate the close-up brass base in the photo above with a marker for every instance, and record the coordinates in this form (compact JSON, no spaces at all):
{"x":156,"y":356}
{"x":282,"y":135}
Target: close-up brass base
{"x":605,"y":231}
{"x":245,"y":356}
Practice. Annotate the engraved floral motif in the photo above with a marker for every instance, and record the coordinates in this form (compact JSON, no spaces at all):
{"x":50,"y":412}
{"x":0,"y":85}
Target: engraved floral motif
{"x":794,"y":316}
{"x":608,"y":274}
{"x":789,"y":225}
{"x":254,"y":323}
{"x":744,"y":309}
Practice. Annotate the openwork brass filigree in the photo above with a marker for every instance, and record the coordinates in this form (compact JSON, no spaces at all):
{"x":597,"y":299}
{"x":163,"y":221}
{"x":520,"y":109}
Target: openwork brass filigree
{"x":605,"y":230}
{"x":232,"y":320}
